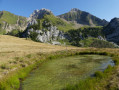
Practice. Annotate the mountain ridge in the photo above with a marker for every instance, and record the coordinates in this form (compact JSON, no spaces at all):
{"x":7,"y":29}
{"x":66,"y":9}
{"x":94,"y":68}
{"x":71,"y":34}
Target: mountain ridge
{"x":82,"y":17}
{"x":44,"y":26}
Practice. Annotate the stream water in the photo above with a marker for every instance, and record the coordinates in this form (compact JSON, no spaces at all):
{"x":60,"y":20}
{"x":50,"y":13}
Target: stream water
{"x":58,"y":73}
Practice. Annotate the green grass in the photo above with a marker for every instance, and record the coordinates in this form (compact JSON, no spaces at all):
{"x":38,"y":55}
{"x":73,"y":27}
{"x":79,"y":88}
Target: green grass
{"x":11,"y":81}
{"x":93,"y":83}
{"x":94,"y":42}
{"x":10,"y":18}
{"x":55,"y":21}
{"x":57,"y":73}
{"x":61,"y":24}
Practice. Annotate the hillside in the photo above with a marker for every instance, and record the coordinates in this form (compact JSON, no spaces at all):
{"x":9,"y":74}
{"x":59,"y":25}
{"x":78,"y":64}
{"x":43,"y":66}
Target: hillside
{"x":45,"y":15}
{"x":9,"y":22}
{"x":18,"y":57}
{"x":89,"y":37}
{"x":83,"y":18}
{"x":53,"y":20}
{"x":13,"y":47}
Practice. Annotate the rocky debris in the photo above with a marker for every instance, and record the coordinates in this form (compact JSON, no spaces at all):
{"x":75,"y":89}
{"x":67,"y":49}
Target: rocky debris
{"x":101,"y":38}
{"x":111,"y":31}
{"x":56,"y":43}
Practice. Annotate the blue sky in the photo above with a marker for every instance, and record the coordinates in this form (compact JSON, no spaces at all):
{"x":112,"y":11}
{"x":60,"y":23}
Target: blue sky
{"x":104,"y":9}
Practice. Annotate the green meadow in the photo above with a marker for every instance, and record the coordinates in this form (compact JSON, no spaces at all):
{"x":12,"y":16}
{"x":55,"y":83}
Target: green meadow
{"x":57,"y":74}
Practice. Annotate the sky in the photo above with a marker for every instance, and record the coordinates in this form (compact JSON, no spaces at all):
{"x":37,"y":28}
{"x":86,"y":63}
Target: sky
{"x":104,"y":9}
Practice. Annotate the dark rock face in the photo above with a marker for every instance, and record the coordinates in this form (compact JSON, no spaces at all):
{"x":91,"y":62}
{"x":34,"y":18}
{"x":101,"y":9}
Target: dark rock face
{"x":111,"y":31}
{"x":83,"y":18}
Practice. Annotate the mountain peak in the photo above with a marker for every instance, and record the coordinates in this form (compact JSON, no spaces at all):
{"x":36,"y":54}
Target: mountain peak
{"x":44,"y":9}
{"x":83,"y":18}
{"x":74,"y":9}
{"x":115,"y":19}
{"x":38,"y":14}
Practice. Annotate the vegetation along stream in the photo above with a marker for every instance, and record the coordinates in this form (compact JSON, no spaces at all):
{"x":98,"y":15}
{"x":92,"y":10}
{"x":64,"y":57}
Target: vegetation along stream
{"x":56,"y":74}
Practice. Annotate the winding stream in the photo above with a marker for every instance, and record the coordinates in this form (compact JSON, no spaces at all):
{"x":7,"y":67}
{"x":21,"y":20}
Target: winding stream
{"x":58,"y":73}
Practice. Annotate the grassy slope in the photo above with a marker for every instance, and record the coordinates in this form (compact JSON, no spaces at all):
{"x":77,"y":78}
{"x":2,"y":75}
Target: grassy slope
{"x":12,"y":47}
{"x":61,"y":24}
{"x":10,"y":18}
{"x":94,"y":42}
{"x":55,"y":21}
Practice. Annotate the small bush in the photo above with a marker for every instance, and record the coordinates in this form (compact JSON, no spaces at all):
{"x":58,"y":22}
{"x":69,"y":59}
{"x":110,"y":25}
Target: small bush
{"x":3,"y":66}
{"x":99,"y":74}
{"x":28,"y":56}
{"x":109,"y":69}
{"x":16,"y":58}
{"x":116,"y":60}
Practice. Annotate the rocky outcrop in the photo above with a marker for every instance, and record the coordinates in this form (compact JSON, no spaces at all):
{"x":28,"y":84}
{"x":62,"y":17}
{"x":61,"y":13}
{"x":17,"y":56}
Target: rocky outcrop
{"x":111,"y":31}
{"x":38,"y":14}
{"x":51,"y":35}
{"x":9,"y":22}
{"x":101,"y":38}
{"x":31,"y":21}
{"x":9,"y":27}
{"x":83,"y":18}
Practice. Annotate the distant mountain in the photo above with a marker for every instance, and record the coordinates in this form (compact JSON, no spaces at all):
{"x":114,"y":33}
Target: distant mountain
{"x":111,"y":31}
{"x":44,"y":26}
{"x":83,"y":18}
{"x":9,"y":22}
{"x":39,"y":17}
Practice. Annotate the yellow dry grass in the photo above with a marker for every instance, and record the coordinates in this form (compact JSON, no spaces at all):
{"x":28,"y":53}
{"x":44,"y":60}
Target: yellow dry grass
{"x":11,"y":47}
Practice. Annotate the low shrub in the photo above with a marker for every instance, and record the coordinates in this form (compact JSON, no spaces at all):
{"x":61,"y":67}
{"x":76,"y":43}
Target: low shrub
{"x":99,"y":74}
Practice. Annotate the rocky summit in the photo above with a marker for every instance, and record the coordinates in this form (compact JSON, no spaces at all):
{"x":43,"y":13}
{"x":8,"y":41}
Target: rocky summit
{"x":38,"y":14}
{"x":111,"y":31}
{"x":83,"y":18}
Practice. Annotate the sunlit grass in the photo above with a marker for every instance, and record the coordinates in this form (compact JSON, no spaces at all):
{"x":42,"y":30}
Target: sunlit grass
{"x":56,"y":74}
{"x":18,"y":57}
